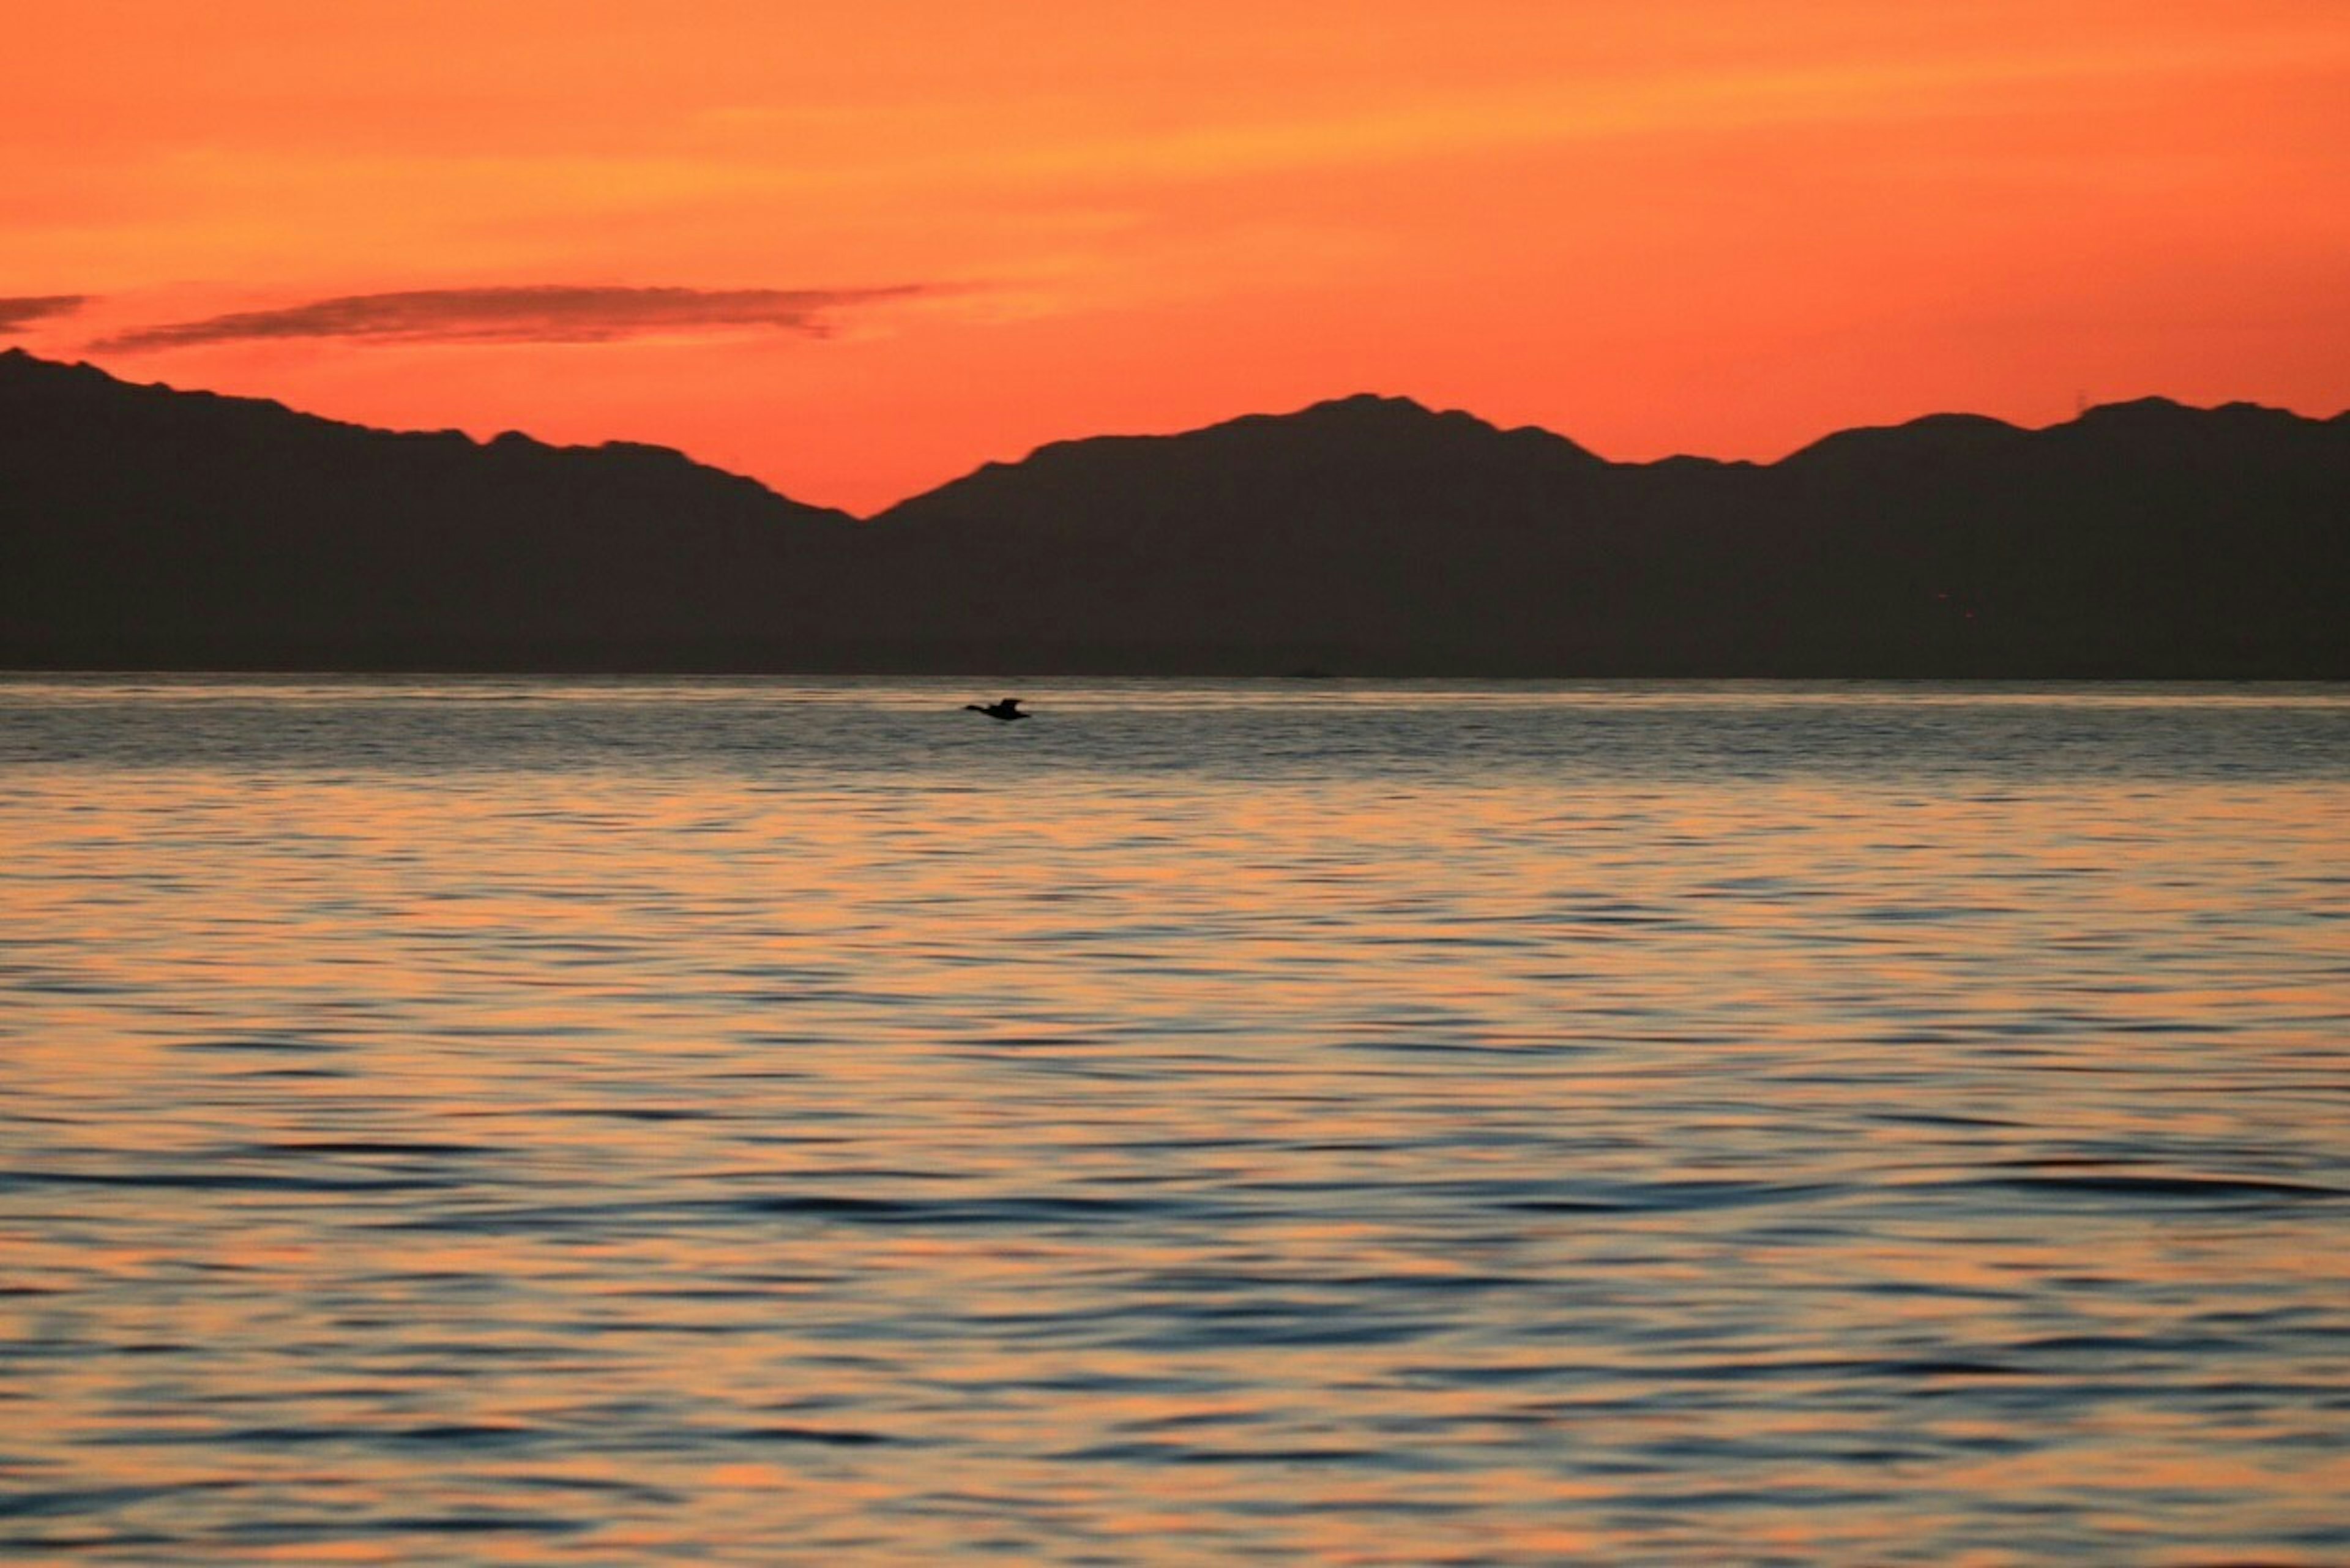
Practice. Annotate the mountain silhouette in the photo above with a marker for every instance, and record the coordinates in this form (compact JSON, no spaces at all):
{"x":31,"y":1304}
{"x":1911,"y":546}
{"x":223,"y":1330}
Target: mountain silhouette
{"x":145,"y":528}
{"x":141,"y":527}
{"x":1370,"y":535}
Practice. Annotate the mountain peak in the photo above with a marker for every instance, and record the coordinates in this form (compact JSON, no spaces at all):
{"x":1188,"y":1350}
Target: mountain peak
{"x":1927,"y":433}
{"x":1386,"y":417}
{"x":2136,"y":407}
{"x":1370,"y":403}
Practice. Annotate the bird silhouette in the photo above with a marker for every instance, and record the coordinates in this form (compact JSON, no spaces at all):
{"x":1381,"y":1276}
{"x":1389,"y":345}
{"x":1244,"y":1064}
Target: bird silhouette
{"x":1006,"y":708}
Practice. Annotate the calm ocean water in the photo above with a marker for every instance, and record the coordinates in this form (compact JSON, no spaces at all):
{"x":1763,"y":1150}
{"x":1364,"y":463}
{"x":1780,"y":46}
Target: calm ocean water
{"x":604,"y":1122}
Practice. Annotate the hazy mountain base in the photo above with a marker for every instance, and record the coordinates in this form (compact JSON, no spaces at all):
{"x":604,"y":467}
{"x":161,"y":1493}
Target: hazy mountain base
{"x":144,"y":527}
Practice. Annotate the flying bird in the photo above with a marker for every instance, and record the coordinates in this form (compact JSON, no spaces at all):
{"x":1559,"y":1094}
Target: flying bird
{"x":1006,"y":708}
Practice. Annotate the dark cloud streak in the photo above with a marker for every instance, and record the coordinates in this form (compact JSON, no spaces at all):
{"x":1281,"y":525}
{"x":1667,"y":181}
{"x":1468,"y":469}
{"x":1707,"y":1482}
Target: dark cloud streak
{"x":551,"y":312}
{"x":23,"y":310}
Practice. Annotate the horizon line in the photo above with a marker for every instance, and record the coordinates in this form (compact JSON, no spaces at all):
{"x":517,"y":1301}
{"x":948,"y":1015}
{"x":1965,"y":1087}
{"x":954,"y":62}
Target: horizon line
{"x":2081,"y":411}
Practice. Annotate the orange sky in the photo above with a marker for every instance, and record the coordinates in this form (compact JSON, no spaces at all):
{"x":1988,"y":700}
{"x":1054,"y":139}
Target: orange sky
{"x":857,"y":249}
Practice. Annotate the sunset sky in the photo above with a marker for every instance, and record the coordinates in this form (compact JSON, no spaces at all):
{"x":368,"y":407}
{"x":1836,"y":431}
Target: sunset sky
{"x":857,"y":249}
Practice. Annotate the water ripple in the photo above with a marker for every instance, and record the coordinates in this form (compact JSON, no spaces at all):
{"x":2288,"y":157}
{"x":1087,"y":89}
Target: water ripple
{"x":600,"y":1122}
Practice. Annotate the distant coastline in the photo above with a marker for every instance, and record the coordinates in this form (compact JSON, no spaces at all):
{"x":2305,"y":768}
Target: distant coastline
{"x":144,"y":527}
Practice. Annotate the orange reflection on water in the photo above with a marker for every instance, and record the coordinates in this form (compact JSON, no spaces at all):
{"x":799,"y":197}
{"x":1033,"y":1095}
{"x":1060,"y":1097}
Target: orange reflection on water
{"x":672,"y":1161}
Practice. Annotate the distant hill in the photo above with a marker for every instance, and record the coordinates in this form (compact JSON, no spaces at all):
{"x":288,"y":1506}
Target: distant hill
{"x":1370,"y":535}
{"x":144,"y":526}
{"x":141,"y":527}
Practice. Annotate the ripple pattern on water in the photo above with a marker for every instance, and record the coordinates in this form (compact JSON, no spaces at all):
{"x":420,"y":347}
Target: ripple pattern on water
{"x":588,"y":1122}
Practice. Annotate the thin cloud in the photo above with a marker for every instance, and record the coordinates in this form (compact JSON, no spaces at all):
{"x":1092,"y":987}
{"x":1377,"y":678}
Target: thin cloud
{"x":549,"y":313}
{"x":23,"y":310}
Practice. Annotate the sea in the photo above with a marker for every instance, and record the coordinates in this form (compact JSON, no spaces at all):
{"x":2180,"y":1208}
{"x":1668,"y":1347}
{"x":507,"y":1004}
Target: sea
{"x":769,"y":1121}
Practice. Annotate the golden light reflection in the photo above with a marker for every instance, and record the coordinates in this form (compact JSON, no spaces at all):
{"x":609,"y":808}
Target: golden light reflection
{"x":1580,"y":1161}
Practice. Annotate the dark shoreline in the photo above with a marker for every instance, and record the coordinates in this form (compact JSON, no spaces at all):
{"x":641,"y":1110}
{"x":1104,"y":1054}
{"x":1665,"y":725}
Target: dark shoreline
{"x":996,"y":673}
